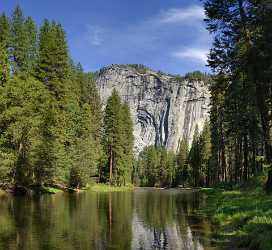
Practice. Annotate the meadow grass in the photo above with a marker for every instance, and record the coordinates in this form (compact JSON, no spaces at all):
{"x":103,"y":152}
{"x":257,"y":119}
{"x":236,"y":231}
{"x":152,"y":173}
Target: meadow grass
{"x":49,"y":190}
{"x":244,"y":214}
{"x":109,"y":188}
{"x":2,"y":193}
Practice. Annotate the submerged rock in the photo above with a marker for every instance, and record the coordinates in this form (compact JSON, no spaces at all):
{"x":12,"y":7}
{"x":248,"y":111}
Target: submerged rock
{"x":165,"y":108}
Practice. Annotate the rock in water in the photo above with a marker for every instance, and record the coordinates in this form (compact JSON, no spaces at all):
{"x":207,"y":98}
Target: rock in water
{"x":165,"y":108}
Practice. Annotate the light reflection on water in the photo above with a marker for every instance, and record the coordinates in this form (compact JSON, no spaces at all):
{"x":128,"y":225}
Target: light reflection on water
{"x":143,"y":219}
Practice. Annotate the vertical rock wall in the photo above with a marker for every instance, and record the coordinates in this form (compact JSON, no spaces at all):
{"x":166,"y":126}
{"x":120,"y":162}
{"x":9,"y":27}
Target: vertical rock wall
{"x":164,"y":109}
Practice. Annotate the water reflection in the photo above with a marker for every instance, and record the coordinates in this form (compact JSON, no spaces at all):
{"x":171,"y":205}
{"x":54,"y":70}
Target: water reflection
{"x":168,"y":220}
{"x":144,"y":219}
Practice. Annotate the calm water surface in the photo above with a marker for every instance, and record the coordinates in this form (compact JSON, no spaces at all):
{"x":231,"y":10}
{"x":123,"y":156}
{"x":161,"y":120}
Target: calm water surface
{"x":143,"y":219}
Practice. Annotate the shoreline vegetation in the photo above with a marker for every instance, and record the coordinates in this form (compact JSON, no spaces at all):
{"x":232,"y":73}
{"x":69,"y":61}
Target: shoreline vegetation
{"x":93,"y":187}
{"x":242,"y":214}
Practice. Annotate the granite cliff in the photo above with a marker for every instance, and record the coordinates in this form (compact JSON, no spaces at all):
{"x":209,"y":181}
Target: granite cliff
{"x":164,"y":108}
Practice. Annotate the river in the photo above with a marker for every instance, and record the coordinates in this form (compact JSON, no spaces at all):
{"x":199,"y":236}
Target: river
{"x":141,"y":219}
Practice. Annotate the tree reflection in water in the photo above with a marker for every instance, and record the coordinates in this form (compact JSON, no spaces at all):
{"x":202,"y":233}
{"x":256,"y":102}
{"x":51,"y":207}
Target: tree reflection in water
{"x":143,"y":219}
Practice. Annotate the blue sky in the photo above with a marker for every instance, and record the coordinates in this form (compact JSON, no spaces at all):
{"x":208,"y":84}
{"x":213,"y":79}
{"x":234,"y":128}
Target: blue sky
{"x":167,"y":35}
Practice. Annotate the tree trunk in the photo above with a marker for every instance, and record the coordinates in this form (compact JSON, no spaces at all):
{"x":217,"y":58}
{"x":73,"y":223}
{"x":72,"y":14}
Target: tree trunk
{"x":245,"y":157}
{"x":268,"y":185}
{"x":110,"y":164}
{"x":266,"y":125}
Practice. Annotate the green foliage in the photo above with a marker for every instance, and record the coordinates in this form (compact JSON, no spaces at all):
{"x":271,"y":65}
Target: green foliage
{"x":50,"y":127}
{"x":5,"y":30}
{"x":22,"y":43}
{"x":31,"y":45}
{"x":205,"y":153}
{"x":117,"y":142}
{"x":156,"y":167}
{"x":195,"y":159}
{"x":182,"y":167}
{"x":53,"y":61}
{"x":179,"y":78}
{"x":139,"y":67}
{"x":24,"y":105}
{"x":4,"y":38}
{"x":198,"y":76}
{"x":4,"y":66}
{"x":241,"y":92}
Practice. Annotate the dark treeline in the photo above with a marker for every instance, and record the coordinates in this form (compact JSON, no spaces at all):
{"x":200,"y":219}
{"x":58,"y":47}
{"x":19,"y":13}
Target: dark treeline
{"x":238,"y":144}
{"x":52,"y":128}
{"x":241,"y":92}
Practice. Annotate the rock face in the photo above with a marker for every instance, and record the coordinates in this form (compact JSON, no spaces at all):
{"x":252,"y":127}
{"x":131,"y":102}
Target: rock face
{"x":165,"y":109}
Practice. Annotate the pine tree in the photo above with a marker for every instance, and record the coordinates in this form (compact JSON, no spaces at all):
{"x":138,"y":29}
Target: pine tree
{"x":127,"y":142}
{"x":117,"y":142}
{"x":23,"y":43}
{"x":4,"y":66}
{"x":50,"y":128}
{"x":24,"y":104}
{"x":4,"y":63}
{"x":205,"y":152}
{"x":194,"y":158}
{"x":242,"y":38}
{"x":112,"y":137}
{"x":182,"y":170}
{"x":5,"y":29}
{"x":44,"y":154}
{"x":31,"y":45}
{"x":148,"y":166}
{"x":53,"y":67}
{"x":18,"y":41}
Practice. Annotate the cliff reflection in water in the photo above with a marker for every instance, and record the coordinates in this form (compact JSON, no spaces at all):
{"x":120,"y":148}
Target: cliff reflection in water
{"x":168,"y":220}
{"x":144,"y":219}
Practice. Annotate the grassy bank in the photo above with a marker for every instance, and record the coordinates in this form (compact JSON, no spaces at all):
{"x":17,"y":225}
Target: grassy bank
{"x":2,"y":193}
{"x":95,"y":187}
{"x":50,"y":190}
{"x":243,"y":215}
{"x":109,"y":188}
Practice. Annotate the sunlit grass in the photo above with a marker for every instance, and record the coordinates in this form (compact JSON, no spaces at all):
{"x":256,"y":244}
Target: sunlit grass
{"x":245,"y":214}
{"x":50,"y":190}
{"x":2,"y":192}
{"x":109,"y":188}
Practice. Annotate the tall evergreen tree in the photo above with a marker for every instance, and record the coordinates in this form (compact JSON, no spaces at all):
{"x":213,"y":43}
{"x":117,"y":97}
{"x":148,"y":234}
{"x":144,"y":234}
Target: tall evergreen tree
{"x":117,"y":142}
{"x":51,"y":132}
{"x":242,"y":38}
{"x":4,"y":66}
{"x":4,"y":38}
{"x":205,"y":152}
{"x":111,"y":135}
{"x":31,"y":45}
{"x":195,"y":158}
{"x":5,"y":29}
{"x":127,"y":142}
{"x":18,"y":41}
{"x":22,"y":109}
{"x":53,"y":61}
{"x":182,"y":170}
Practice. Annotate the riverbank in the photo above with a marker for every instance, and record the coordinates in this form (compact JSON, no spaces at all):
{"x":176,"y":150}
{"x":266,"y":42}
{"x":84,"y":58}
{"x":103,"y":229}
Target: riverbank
{"x":94,"y":187}
{"x":243,"y":216}
{"x":100,"y":187}
{"x":2,"y":193}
